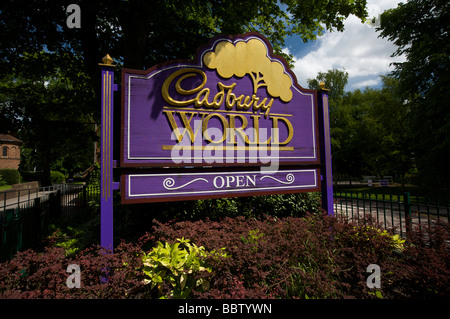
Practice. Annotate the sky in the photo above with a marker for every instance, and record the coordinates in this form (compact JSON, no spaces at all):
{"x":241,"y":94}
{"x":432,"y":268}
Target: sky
{"x":357,"y":50}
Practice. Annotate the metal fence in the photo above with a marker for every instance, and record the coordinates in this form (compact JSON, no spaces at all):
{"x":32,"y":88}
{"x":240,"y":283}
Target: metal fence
{"x":401,"y":211}
{"x":25,"y":216}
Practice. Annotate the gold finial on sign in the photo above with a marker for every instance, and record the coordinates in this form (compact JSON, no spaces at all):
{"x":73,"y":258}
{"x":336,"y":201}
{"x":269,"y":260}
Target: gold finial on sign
{"x":107,"y":61}
{"x":322,"y":86}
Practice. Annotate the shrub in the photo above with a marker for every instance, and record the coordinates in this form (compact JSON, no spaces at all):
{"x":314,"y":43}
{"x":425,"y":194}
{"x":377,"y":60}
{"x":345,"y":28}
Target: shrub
{"x":32,"y":275}
{"x":284,"y":205}
{"x":28,"y":176}
{"x":269,"y":258}
{"x":178,"y":264}
{"x":10,"y":176}
{"x":57,"y":177}
{"x":424,"y":271}
{"x":94,"y":175}
{"x":314,"y":257}
{"x":2,"y":181}
{"x":311,"y":257}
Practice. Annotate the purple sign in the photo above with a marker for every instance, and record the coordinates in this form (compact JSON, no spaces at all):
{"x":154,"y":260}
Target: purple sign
{"x":236,"y":103}
{"x":183,"y":122}
{"x":205,"y":184}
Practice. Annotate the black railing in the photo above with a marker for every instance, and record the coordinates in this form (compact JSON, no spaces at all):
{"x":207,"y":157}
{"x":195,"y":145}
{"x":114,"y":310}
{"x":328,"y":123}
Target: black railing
{"x":400,"y":211}
{"x":25,"y":215}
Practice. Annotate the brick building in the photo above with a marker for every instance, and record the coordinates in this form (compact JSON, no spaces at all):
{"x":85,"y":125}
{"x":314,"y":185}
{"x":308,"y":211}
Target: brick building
{"x":9,"y":151}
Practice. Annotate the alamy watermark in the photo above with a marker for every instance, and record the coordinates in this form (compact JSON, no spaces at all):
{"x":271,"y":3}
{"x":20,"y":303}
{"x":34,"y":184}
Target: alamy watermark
{"x":74,"y":19}
{"x":374,"y":279}
{"x":74,"y":280}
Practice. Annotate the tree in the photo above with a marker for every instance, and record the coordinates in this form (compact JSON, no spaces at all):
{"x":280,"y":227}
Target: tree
{"x":335,"y":80}
{"x":138,"y":34}
{"x":49,"y":108}
{"x":420,"y":29}
{"x":368,"y":134}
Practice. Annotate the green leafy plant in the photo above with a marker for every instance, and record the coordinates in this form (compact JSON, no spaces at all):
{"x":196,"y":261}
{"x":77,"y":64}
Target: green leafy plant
{"x":68,"y":239}
{"x":2,"y":182}
{"x":10,"y":176}
{"x":395,"y":241}
{"x":254,"y":235}
{"x":178,"y":264}
{"x":57,"y":177}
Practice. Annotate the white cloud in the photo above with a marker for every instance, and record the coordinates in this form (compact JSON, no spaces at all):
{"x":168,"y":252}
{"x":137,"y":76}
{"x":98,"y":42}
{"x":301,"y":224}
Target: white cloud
{"x":357,"y":49}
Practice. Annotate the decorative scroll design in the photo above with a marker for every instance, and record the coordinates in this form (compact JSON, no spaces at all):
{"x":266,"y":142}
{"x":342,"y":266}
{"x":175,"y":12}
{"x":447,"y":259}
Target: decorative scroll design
{"x":169,"y":183}
{"x":290,"y":178}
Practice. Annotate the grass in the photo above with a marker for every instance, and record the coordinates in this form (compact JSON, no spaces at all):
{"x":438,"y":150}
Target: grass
{"x":5,"y":188}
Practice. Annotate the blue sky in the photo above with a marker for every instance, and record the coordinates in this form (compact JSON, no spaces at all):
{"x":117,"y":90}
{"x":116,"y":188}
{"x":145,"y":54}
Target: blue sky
{"x":358,"y":50}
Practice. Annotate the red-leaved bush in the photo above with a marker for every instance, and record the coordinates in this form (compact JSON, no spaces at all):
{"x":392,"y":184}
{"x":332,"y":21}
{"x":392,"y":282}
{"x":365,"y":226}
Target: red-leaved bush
{"x":311,"y":257}
{"x":32,"y":275}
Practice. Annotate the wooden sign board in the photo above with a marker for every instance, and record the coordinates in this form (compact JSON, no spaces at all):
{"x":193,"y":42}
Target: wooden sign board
{"x":236,"y":104}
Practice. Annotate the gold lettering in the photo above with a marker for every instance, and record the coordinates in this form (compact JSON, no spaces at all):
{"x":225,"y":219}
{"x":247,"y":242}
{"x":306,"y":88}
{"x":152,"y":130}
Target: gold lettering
{"x":202,"y":99}
{"x":239,"y":130}
{"x":186,"y":123}
{"x":205,"y":128}
{"x":190,"y":72}
{"x":263,"y":106}
{"x":256,"y":131}
{"x":243,"y":105}
{"x":231,"y":97}
{"x":276,"y":129}
{"x":224,"y":96}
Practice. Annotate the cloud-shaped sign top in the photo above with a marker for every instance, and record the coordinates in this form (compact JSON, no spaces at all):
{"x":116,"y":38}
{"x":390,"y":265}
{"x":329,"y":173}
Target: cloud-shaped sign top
{"x":250,"y":58}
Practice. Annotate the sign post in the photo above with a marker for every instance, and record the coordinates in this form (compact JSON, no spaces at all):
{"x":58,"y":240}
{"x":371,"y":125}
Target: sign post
{"x":325,"y":151}
{"x":106,"y":163}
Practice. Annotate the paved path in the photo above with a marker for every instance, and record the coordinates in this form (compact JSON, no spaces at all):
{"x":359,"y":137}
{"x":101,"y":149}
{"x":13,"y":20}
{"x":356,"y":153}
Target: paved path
{"x":69,"y":198}
{"x":25,"y":199}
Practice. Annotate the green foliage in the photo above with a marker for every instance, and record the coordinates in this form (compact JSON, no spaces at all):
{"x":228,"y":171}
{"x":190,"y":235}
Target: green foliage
{"x":370,"y":125}
{"x":2,"y":181}
{"x":31,"y":176}
{"x":366,"y":233}
{"x":419,"y":29}
{"x":10,"y":176}
{"x":49,"y":73}
{"x":253,"y":238}
{"x":47,"y":98}
{"x":256,"y":206}
{"x":179,"y":265}
{"x":69,"y":241}
{"x":94,"y":175}
{"x":128,"y":29}
{"x":57,"y":177}
{"x":335,"y":80}
{"x":310,"y":257}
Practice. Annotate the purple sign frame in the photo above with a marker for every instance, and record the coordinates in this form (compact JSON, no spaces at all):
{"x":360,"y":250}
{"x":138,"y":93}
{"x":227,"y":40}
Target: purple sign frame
{"x":199,"y":184}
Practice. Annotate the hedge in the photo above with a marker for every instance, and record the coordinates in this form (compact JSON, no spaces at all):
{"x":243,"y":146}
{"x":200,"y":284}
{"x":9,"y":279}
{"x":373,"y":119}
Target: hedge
{"x":10,"y":176}
{"x":311,"y":257}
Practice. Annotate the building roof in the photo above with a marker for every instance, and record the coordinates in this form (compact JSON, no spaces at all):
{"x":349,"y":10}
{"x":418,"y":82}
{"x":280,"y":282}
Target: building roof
{"x":7,"y":138}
